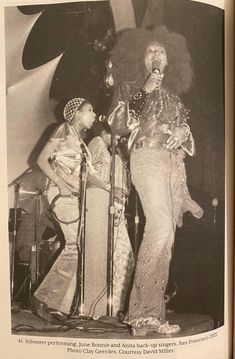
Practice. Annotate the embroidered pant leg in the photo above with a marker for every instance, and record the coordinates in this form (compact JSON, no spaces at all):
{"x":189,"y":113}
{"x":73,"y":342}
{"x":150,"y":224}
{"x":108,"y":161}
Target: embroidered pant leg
{"x":123,"y":264}
{"x":58,"y":287}
{"x":150,"y":170}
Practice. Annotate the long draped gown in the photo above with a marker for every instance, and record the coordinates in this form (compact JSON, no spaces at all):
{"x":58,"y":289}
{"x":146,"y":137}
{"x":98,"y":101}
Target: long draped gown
{"x":97,"y":202}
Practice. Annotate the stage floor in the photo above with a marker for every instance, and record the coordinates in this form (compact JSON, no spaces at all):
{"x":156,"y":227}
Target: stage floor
{"x":27,"y":323}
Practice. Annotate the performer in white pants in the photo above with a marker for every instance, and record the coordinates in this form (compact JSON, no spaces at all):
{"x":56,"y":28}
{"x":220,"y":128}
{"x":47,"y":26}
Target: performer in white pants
{"x":61,"y":160}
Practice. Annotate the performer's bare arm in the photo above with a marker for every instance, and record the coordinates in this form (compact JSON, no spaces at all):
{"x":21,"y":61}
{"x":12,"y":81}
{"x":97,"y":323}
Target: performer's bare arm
{"x":44,"y":164}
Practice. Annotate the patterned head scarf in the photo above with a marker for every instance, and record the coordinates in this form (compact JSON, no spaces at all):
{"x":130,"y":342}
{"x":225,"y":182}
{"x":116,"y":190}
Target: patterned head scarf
{"x":71,"y":108}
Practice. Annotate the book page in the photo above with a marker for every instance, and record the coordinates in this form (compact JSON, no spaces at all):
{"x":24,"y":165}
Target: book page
{"x":54,"y":51}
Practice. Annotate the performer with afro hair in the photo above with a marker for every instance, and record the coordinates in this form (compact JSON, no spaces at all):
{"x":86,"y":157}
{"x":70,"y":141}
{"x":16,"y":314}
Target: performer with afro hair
{"x":150,"y":69}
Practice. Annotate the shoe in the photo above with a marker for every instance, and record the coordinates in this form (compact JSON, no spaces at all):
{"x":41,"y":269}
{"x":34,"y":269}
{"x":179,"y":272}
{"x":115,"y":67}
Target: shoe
{"x":167,"y":328}
{"x":41,"y":309}
{"x":57,"y":315}
{"x":164,"y":328}
{"x":142,"y":326}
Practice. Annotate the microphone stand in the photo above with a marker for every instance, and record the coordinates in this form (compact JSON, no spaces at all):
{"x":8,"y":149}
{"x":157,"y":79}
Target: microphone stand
{"x":16,"y":184}
{"x":137,"y":221}
{"x":18,"y":179}
{"x":82,"y":235}
{"x":111,"y":230}
{"x":35,"y":258}
{"x":79,"y":295}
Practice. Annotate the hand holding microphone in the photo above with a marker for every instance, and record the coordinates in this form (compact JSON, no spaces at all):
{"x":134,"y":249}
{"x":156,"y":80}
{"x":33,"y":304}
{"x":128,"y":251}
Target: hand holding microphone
{"x":154,"y":79}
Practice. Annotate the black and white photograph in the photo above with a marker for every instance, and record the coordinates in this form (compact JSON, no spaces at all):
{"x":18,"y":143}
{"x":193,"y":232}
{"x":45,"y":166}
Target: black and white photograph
{"x":115,"y":137}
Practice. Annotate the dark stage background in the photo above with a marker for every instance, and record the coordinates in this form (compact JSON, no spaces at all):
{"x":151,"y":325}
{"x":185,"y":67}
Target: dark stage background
{"x":75,"y":29}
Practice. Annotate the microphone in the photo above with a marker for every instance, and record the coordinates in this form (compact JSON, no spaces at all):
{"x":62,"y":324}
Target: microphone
{"x":102,"y":118}
{"x":156,"y":67}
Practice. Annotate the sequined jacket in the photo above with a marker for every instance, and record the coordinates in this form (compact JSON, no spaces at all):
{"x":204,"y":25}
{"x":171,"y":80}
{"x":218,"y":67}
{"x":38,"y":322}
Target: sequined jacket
{"x":149,"y":115}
